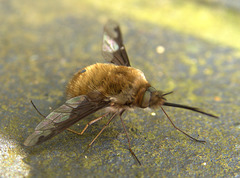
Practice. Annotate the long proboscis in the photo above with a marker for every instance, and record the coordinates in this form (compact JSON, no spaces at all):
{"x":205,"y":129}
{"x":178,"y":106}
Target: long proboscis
{"x":189,"y":108}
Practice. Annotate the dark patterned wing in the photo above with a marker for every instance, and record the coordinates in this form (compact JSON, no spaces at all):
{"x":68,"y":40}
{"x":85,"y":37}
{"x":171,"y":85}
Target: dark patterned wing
{"x":63,"y":117}
{"x":113,"y":49}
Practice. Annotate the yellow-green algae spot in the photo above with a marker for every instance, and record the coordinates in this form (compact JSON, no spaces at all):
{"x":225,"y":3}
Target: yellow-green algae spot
{"x":4,"y":107}
{"x":192,"y":64}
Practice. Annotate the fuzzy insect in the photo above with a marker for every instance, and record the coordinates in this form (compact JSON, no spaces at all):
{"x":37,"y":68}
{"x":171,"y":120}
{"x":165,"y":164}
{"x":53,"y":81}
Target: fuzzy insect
{"x":115,"y":86}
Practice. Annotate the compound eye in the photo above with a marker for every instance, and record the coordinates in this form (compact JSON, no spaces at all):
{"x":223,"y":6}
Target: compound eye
{"x":146,"y":99}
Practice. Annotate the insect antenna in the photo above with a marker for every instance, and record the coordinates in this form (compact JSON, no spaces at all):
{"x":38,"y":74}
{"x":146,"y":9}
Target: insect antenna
{"x":129,"y":139}
{"x":167,"y":93}
{"x":37,"y":109}
{"x":202,"y":141}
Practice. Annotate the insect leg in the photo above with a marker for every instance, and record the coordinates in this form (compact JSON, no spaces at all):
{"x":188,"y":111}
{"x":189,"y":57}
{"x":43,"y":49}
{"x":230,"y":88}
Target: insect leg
{"x":88,"y":124}
{"x":113,"y":116}
{"x":129,"y":140}
{"x":202,"y":141}
{"x":37,"y":109}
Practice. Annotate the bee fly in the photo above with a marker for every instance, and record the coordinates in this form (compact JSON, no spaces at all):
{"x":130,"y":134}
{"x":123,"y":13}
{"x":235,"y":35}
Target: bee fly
{"x":115,"y":86}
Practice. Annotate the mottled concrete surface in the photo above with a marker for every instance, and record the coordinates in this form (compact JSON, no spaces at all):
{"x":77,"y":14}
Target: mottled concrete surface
{"x":43,"y":43}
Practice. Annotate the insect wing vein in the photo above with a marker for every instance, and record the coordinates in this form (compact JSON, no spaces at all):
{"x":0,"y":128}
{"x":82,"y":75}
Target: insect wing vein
{"x":113,"y":49}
